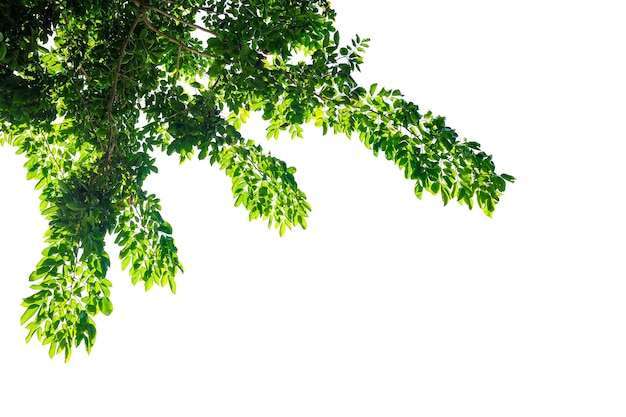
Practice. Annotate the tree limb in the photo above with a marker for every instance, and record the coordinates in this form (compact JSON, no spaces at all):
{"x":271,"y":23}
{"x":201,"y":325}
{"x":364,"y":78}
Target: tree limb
{"x":116,"y":79}
{"x":174,"y":40}
{"x":177,"y":19}
{"x":89,"y":116}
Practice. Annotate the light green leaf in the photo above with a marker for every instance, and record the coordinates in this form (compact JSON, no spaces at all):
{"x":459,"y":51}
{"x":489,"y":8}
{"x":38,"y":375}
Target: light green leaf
{"x":30,"y":311}
{"x":125,"y":262}
{"x":106,"y":306}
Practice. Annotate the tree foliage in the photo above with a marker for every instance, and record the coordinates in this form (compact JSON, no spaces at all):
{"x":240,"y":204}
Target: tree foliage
{"x":89,"y":88}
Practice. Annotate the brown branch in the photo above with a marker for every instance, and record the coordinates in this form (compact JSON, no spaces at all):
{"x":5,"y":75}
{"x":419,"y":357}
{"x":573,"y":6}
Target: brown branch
{"x":82,"y":71}
{"x":174,"y":40}
{"x":126,"y":77}
{"x":116,"y":79}
{"x":177,"y":19}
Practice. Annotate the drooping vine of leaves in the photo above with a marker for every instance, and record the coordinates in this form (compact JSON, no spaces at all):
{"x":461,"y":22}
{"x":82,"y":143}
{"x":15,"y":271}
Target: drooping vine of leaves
{"x":88,"y":88}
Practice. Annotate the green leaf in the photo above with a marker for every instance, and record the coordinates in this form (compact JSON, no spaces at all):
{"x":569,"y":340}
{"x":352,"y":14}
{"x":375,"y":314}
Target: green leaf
{"x":499,"y":183}
{"x":53,"y":349}
{"x":106,"y":306}
{"x":445,"y":196}
{"x":30,"y":311}
{"x":508,"y":177}
{"x":165,"y":227}
{"x":172,"y":283}
{"x":125,"y":262}
{"x":31,"y":332}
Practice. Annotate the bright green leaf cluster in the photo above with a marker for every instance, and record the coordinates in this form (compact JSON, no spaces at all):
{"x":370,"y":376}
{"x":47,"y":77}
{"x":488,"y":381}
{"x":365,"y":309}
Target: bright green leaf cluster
{"x":265,"y":186}
{"x":90,"y":88}
{"x":147,"y":243}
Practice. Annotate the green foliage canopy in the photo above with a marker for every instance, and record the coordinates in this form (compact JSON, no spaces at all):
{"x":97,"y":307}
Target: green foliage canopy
{"x":88,"y":88}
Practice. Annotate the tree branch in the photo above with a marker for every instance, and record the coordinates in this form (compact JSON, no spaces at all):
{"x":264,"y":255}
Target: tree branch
{"x":178,"y":61}
{"x":116,"y":78}
{"x":151,"y":26}
{"x":82,"y":71}
{"x":89,"y":116}
{"x":177,"y":19}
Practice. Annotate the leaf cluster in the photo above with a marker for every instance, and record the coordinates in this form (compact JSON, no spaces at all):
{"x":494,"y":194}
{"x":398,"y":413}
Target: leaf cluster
{"x":89,"y":89}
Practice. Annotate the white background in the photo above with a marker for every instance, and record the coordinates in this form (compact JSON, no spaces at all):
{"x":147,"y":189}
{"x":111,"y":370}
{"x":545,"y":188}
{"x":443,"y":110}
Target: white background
{"x":386,"y":305}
